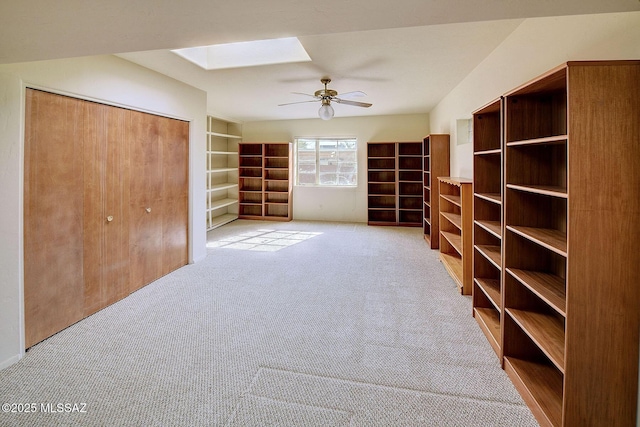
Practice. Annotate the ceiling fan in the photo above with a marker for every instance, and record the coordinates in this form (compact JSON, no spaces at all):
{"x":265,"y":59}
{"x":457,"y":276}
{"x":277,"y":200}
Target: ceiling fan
{"x":327,"y":95}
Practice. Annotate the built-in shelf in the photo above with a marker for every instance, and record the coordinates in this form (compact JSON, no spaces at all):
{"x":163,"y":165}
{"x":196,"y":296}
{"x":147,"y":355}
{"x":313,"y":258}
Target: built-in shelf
{"x":222,"y":171}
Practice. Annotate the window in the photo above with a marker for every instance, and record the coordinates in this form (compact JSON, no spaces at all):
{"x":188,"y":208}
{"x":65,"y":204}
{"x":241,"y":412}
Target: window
{"x":327,"y":161}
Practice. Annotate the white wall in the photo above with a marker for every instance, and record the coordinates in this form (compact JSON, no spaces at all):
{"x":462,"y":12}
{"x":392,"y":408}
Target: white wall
{"x":334,"y":203}
{"x":105,"y":79}
{"x":536,"y":46}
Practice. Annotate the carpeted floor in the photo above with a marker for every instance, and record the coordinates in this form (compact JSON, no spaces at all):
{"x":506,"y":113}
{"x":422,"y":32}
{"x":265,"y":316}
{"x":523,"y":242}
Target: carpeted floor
{"x":319,"y":324}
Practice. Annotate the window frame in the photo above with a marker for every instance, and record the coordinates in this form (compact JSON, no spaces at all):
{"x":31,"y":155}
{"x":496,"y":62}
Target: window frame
{"x":317,"y":150}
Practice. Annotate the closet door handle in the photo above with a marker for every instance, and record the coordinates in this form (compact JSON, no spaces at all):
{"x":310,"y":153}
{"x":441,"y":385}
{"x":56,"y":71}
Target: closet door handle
{"x":148,"y":210}
{"x":109,"y":218}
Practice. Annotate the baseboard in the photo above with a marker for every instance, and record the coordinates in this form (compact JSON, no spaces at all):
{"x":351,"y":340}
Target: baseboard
{"x":10,"y":361}
{"x":200,"y":258}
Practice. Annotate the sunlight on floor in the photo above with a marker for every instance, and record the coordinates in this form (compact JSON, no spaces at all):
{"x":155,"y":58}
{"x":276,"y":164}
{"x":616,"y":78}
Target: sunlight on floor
{"x":263,"y":240}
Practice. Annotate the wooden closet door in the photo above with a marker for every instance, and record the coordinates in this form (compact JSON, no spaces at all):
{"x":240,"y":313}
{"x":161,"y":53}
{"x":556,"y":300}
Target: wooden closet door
{"x":53,"y":214}
{"x":175,"y":194}
{"x":106,"y":206}
{"x":145,"y":199}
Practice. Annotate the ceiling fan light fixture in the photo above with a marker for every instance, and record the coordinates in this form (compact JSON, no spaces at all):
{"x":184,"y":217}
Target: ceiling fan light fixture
{"x":326,"y":111}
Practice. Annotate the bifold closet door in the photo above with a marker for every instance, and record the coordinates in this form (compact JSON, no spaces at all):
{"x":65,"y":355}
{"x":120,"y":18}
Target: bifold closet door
{"x":106,"y":205}
{"x":175,"y":194}
{"x":145,"y":199}
{"x":53,"y":214}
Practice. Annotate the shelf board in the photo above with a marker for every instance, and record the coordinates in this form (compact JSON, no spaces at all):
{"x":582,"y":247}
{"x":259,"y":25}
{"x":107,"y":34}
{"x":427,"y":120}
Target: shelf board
{"x":453,"y":264}
{"x":426,"y":203}
{"x":487,"y":152}
{"x":427,"y":238}
{"x":540,"y":386}
{"x":225,"y":186}
{"x":553,"y":240}
{"x":221,"y":220}
{"x":454,"y":239}
{"x":492,"y":253}
{"x":217,"y":204}
{"x":491,"y":288}
{"x":451,"y":198}
{"x":557,"y":139}
{"x":490,"y":197}
{"x":545,"y":190}
{"x":489,"y":321}
{"x":216,"y":170}
{"x":224,"y":135}
{"x":223,"y":152}
{"x":427,"y":220}
{"x":493,"y":227}
{"x":550,"y":288}
{"x":455,"y":219}
{"x":545,"y":330}
{"x":455,"y":180}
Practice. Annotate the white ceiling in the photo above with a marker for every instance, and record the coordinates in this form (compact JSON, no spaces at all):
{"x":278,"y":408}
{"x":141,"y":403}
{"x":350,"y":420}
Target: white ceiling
{"x":405,"y":54}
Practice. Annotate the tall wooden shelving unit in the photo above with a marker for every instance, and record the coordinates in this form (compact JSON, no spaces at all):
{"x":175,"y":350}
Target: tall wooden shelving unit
{"x":265,"y":181}
{"x":394,"y":175}
{"x":487,"y":221}
{"x":222,"y":171}
{"x":436,"y":161}
{"x":570,"y":294}
{"x":455,"y":230}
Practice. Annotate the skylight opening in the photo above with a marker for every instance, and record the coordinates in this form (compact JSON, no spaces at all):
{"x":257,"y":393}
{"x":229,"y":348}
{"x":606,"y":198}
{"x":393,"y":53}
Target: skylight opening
{"x":246,"y":54}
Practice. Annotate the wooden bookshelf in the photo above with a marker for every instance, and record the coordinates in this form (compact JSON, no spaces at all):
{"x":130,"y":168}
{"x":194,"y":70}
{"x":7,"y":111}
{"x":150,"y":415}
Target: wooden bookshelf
{"x":265,"y":184}
{"x":487,"y":221}
{"x":435,"y":149}
{"x":455,"y":230}
{"x":394,"y":183}
{"x":571,"y":304}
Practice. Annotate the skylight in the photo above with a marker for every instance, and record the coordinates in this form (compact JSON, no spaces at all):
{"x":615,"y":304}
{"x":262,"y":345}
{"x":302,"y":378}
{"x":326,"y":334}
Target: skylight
{"x":246,"y":54}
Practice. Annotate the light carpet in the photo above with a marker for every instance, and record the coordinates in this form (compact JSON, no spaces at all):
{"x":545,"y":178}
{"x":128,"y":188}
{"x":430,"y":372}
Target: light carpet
{"x":356,"y":326}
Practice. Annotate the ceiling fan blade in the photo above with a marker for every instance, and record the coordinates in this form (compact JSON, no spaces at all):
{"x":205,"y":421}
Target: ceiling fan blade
{"x":299,"y":102}
{"x":354,"y":103}
{"x":305,"y":94}
{"x":354,"y":94}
